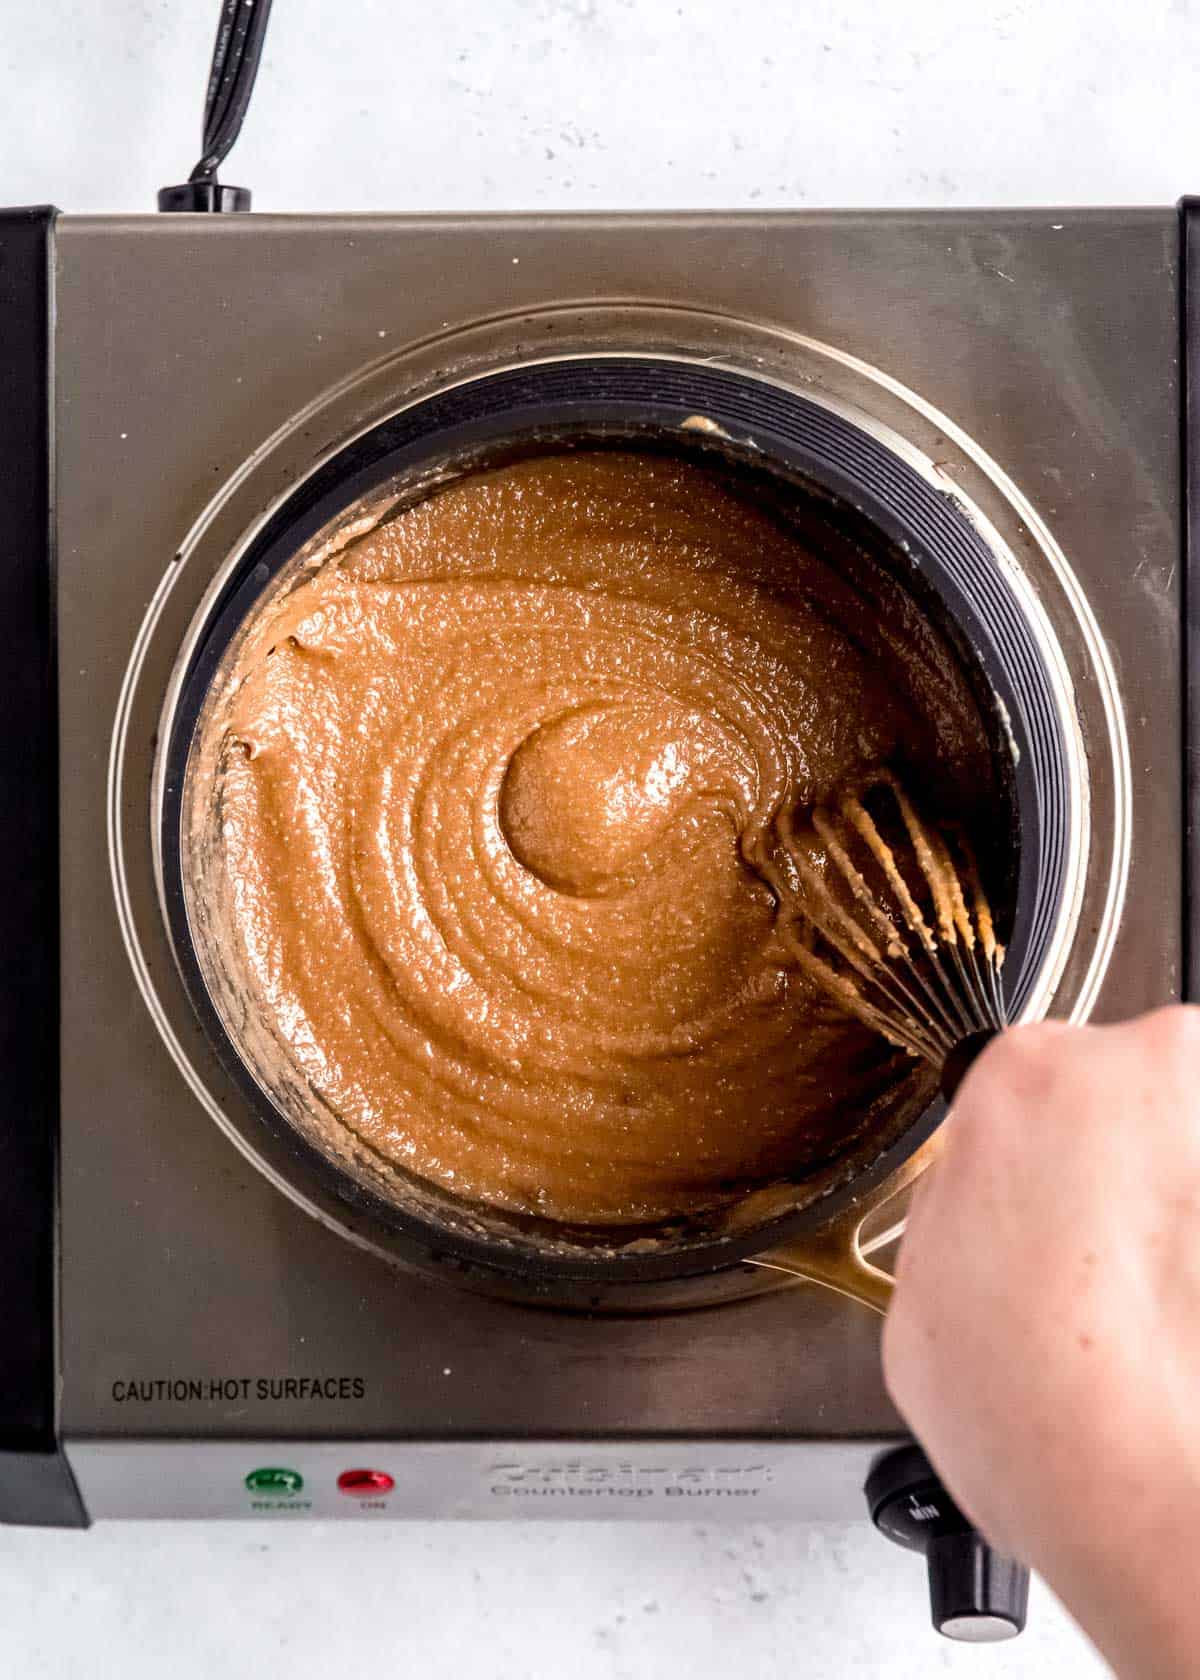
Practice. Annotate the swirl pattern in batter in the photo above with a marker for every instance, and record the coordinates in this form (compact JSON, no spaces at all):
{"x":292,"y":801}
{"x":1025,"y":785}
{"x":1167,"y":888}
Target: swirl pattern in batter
{"x":493,"y":784}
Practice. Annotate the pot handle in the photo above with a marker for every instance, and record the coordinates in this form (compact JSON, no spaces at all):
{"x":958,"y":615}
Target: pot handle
{"x":837,"y":1255}
{"x":834,"y":1258}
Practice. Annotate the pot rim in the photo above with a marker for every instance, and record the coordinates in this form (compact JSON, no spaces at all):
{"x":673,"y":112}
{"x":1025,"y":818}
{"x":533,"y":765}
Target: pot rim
{"x":722,"y":1252}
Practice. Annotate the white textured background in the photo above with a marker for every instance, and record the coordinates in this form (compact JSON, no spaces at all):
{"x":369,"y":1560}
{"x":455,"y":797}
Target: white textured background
{"x":493,"y":104}
{"x":472,"y":104}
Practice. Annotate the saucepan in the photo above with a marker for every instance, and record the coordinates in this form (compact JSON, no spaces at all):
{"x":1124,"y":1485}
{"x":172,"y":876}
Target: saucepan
{"x":882,"y":506}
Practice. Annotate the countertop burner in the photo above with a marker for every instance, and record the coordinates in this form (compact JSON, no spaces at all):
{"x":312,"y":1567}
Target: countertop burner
{"x":218,"y":1351}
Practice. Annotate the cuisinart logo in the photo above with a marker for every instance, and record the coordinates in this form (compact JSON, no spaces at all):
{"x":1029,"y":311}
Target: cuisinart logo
{"x":576,"y":1479}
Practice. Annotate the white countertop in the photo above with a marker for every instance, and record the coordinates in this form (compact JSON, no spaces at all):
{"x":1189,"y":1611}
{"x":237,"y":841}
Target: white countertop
{"x":496,"y":104}
{"x":475,"y":1601}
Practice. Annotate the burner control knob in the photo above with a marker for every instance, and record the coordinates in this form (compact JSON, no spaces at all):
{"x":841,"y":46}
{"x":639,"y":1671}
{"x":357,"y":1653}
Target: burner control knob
{"x":975,"y":1593}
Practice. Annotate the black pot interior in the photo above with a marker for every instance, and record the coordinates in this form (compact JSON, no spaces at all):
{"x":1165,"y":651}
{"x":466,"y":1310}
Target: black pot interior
{"x":822,"y":474}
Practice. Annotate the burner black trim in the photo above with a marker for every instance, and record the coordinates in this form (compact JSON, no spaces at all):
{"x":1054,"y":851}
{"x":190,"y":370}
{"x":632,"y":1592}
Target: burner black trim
{"x":1189,"y":432}
{"x":768,"y":430}
{"x":35,"y":1484}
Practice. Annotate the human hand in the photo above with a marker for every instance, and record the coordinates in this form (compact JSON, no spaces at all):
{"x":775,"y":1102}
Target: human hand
{"x":1044,"y":1342}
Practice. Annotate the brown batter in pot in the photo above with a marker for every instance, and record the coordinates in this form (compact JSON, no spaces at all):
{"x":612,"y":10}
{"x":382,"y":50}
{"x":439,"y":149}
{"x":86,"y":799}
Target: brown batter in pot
{"x":492,"y":786}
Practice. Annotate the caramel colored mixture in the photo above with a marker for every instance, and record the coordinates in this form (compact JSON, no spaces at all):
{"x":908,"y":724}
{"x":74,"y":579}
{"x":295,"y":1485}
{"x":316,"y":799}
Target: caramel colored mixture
{"x":495,"y":785}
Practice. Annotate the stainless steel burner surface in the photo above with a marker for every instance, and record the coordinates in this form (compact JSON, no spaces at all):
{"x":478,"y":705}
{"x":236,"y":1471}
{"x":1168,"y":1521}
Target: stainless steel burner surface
{"x":200,"y":1305}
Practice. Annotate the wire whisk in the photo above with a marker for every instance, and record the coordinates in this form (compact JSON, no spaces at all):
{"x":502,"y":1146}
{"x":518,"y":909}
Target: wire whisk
{"x":888,"y":914}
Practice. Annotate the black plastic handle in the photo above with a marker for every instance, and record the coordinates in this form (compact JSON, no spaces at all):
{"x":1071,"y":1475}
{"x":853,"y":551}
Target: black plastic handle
{"x":976,"y":1595}
{"x":962,"y":1058}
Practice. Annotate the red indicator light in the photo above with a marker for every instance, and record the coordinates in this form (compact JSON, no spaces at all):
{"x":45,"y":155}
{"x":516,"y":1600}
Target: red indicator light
{"x":365,"y":1484}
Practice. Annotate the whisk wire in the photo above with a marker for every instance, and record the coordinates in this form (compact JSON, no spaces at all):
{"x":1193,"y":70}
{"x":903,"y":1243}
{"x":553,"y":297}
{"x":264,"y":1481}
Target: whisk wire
{"x":924,"y":987}
{"x":898,"y":1028}
{"x":896,"y":994}
{"x":941,"y":1011}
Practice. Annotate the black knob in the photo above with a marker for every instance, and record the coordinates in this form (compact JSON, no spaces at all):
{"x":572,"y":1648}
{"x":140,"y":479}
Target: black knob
{"x":975,"y":1594}
{"x":204,"y":195}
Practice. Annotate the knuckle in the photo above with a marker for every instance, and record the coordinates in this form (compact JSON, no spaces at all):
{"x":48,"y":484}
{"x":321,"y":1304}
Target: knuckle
{"x":1040,"y":1068}
{"x":1027,"y":1057}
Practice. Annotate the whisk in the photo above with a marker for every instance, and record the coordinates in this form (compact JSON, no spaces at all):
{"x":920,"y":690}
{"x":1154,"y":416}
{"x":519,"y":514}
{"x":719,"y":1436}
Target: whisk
{"x":888,"y":914}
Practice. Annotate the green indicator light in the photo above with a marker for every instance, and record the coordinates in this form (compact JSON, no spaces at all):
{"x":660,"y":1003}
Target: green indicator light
{"x":272,"y":1480}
